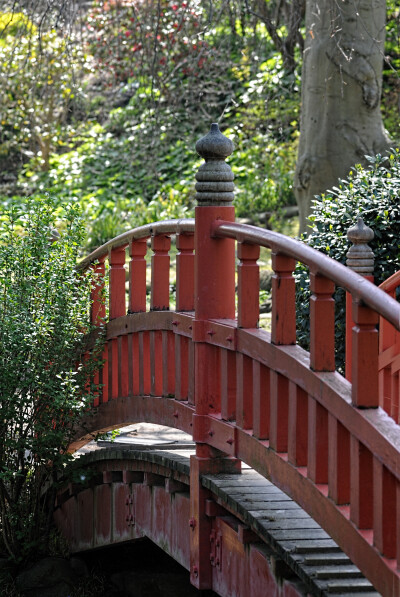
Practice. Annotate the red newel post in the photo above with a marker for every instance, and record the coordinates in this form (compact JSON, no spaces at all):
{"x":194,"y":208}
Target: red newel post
{"x":360,"y":259}
{"x":362,"y":349}
{"x":214,"y":282}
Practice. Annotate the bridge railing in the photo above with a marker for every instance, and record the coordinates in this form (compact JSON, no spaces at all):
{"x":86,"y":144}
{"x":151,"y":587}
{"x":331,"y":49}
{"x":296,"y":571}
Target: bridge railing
{"x":246,"y":394}
{"x":389,"y":356}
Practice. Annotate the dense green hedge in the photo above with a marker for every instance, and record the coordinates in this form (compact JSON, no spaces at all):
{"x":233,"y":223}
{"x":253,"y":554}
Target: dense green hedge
{"x":373,"y":194}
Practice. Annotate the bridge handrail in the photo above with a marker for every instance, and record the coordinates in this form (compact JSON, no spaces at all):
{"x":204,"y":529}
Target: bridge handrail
{"x":178,"y":226}
{"x":360,"y":288}
{"x":391,"y":283}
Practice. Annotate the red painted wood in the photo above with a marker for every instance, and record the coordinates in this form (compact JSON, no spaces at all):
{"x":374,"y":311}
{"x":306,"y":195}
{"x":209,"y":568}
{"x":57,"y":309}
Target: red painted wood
{"x":104,"y":377}
{"x":98,"y":307}
{"x":248,"y":285}
{"x":228,"y":384}
{"x":135,"y":364}
{"x":317,"y":469}
{"x":156,"y":363}
{"x":214,"y":266}
{"x":113,"y":366}
{"x":361,"y":490}
{"x":365,"y":357}
{"x":144,"y":363}
{"x":339,"y":462}
{"x":137,"y":275}
{"x":161,"y":245}
{"x":298,"y":425}
{"x":244,"y":395}
{"x":261,"y":400}
{"x":191,"y":359}
{"x":123,"y":366}
{"x":283,"y":318}
{"x":322,"y":324}
{"x":185,"y":272}
{"x":385,"y":521}
{"x":181,"y":367}
{"x":278,"y":436}
{"x":207,"y":379}
{"x":168,"y":363}
{"x":117,"y":282}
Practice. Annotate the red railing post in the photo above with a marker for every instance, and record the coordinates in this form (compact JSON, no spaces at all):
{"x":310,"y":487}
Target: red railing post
{"x":360,"y":259}
{"x":214,"y":299}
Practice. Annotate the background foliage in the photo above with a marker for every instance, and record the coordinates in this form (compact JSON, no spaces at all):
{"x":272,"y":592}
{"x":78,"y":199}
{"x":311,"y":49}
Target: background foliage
{"x":372,"y":194}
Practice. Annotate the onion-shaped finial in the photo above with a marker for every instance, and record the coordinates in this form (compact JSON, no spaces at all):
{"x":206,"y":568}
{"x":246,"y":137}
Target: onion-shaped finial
{"x":215,"y":178}
{"x":360,"y":257}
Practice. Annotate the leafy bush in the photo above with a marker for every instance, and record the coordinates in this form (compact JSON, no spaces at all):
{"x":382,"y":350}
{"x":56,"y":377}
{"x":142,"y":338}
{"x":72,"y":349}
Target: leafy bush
{"x":373,"y":194}
{"x":45,"y":383}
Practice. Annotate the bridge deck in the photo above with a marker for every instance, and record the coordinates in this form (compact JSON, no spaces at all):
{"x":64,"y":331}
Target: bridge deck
{"x":273,"y":520}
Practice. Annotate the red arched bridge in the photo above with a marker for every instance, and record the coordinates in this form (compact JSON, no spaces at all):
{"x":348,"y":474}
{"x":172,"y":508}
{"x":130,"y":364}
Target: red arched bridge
{"x":246,"y":396}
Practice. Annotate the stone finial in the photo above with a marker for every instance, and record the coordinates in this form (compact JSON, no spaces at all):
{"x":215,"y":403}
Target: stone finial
{"x":360,"y":257}
{"x":214,"y":177}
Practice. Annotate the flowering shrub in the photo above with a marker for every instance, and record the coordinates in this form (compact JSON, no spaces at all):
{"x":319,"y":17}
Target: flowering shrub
{"x":134,"y":39}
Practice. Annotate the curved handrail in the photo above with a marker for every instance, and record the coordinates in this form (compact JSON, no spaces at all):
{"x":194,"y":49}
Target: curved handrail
{"x":179,"y":226}
{"x":342,"y":276}
{"x":391,"y":283}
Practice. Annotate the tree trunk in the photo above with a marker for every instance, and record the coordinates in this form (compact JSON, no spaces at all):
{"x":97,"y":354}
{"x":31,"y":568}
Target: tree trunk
{"x":341,"y":87}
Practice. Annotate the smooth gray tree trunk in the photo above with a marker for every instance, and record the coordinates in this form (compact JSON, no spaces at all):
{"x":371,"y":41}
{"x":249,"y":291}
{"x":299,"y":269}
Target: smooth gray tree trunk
{"x":341,"y":88}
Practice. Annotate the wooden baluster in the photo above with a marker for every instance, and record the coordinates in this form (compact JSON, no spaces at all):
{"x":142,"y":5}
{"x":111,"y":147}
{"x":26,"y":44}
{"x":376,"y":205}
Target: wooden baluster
{"x":117,"y":309}
{"x":248,"y":285}
{"x":361,"y":485}
{"x":168,"y":359}
{"x":385,"y":510}
{"x":322,"y":324}
{"x":185,"y":272}
{"x":339,"y":462}
{"x":161,"y":245}
{"x":360,"y":259}
{"x":244,"y":395}
{"x":278,"y":436}
{"x":191,"y":384}
{"x":156,"y":363}
{"x":123,"y":366}
{"x":261,"y":400}
{"x":365,"y":388}
{"x":283,"y":320}
{"x":104,"y":376}
{"x":137,"y":276}
{"x":228,"y":384}
{"x":298,"y":425}
{"x":98,"y":307}
{"x":144,"y":363}
{"x":113,"y":369}
{"x":117,"y":282}
{"x":181,"y":366}
{"x":135,"y":363}
{"x":98,"y":311}
{"x":317,"y":461}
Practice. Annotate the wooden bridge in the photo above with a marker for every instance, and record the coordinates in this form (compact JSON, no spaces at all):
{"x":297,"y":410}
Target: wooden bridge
{"x":245,"y":396}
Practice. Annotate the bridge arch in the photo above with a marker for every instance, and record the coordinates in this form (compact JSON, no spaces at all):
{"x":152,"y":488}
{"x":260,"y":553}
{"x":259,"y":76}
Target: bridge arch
{"x":246,"y":395}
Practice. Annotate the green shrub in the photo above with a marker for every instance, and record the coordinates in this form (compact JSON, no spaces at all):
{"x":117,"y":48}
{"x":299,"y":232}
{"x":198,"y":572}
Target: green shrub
{"x":45,"y":383}
{"x":373,"y":194}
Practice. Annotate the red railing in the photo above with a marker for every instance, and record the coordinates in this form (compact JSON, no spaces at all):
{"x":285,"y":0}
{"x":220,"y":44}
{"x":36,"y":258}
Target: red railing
{"x":248,"y":395}
{"x":389,"y":356}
